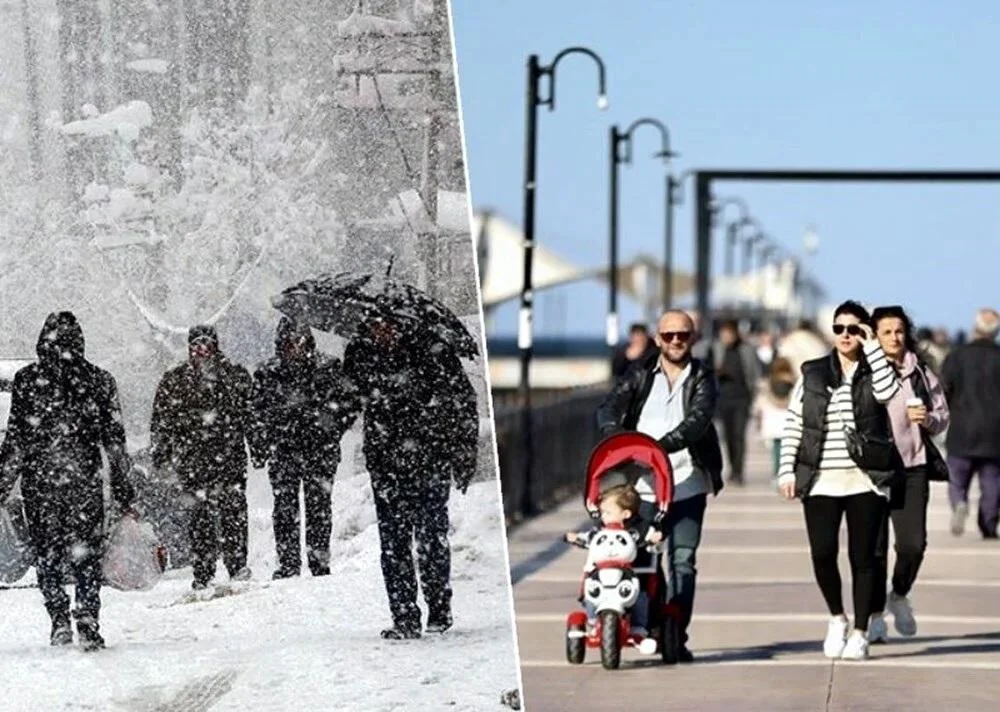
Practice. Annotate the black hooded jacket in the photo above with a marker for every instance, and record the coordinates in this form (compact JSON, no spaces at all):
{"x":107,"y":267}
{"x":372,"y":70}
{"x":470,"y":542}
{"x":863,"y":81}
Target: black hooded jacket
{"x":420,"y":408}
{"x":64,"y":410}
{"x":302,"y":404}
{"x":201,"y":416}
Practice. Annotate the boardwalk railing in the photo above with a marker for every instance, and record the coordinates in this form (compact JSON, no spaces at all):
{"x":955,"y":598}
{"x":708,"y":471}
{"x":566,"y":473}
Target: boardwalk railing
{"x":564,"y":433}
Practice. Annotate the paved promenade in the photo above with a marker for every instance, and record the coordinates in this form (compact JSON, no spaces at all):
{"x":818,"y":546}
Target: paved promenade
{"x":759,"y":621}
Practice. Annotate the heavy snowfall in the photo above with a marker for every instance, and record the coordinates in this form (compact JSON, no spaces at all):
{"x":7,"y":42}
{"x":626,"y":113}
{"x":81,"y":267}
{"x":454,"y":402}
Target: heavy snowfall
{"x":165,"y":165}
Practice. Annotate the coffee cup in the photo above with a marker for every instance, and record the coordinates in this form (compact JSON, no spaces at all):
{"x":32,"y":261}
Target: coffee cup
{"x":912,"y":404}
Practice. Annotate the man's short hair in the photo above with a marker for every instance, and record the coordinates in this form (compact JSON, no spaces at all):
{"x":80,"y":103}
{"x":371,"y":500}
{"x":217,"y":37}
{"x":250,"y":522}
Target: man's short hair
{"x":987,"y":323}
{"x":637,"y":327}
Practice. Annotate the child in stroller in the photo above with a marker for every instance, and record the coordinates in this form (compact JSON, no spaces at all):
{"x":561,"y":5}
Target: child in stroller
{"x":619,"y":512}
{"x":623,"y":562}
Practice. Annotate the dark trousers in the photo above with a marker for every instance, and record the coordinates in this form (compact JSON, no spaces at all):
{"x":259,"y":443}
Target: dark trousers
{"x":683,"y":528}
{"x":315,"y":477}
{"x":908,"y":513}
{"x":414,"y":505}
{"x":865,"y":513}
{"x":734,"y":415}
{"x":219,"y":524}
{"x":961,"y":470}
{"x":68,"y":537}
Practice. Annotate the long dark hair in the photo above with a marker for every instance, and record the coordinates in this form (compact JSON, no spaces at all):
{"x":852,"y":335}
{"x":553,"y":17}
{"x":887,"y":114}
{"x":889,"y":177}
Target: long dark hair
{"x":897,"y":312}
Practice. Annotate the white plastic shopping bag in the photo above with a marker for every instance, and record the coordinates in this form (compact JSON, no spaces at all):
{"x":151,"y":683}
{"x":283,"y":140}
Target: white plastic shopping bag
{"x":15,"y":550}
{"x":133,"y":559}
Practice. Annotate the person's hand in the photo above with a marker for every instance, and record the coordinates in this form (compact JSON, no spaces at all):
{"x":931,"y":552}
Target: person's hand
{"x":569,"y":537}
{"x":787,"y":490}
{"x":130,"y":511}
{"x":918,"y":415}
{"x":654,"y":536}
{"x":866,"y":332}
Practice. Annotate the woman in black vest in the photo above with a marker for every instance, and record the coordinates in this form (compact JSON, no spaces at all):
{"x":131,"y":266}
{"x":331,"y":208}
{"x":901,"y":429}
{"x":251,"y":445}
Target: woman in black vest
{"x":837,"y":456}
{"x":913,"y":426}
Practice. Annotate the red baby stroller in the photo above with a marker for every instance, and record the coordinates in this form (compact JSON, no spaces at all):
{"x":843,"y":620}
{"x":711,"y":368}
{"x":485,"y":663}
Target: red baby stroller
{"x":612,"y":589}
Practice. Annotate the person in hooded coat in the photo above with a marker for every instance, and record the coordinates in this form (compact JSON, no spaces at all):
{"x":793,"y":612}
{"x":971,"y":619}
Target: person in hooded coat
{"x":64,"y":410}
{"x":201,"y":418}
{"x":303,"y":404}
{"x":421,"y":433}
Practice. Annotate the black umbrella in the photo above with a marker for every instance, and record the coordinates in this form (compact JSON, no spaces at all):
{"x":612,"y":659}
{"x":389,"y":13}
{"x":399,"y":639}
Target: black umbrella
{"x":347,"y":303}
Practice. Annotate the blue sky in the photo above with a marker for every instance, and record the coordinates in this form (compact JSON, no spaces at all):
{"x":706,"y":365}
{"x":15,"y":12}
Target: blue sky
{"x":755,"y":83}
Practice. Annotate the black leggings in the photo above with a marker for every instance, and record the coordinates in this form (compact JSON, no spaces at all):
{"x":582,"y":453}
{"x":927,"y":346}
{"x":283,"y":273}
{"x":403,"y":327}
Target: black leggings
{"x":865,"y":513}
{"x":908,"y":511}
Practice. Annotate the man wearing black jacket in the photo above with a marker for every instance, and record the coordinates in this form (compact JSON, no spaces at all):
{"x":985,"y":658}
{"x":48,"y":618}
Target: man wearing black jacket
{"x":672,"y":397}
{"x":201,"y":417}
{"x":971,"y":380}
{"x":64,"y":410}
{"x":421,"y":434}
{"x":303,"y":404}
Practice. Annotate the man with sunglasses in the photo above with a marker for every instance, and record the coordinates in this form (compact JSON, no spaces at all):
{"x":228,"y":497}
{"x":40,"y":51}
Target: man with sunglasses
{"x":672,"y":397}
{"x":201,"y":417}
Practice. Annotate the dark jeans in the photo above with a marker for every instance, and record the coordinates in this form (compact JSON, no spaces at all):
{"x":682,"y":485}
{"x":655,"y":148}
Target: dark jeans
{"x":683,"y":527}
{"x":315,"y":478}
{"x":219,"y":522}
{"x":908,"y":512}
{"x":865,"y":513}
{"x":734,"y":416}
{"x":414,"y":506}
{"x":962,"y":469}
{"x":67,"y":535}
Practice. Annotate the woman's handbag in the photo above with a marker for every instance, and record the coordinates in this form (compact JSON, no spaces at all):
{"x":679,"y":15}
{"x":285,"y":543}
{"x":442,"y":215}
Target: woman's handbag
{"x":869,"y":453}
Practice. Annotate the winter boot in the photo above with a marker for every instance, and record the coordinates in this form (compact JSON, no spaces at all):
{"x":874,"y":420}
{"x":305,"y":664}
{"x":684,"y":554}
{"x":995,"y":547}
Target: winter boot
{"x":89,"y":632}
{"x":242,"y":574}
{"x":400,"y":633}
{"x":62,"y":631}
{"x":318,"y":570}
{"x":199,"y":585}
{"x":439,"y":621}
{"x":283,"y":573}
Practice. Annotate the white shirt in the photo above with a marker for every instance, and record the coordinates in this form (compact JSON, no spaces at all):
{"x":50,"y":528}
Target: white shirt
{"x":662,"y":412}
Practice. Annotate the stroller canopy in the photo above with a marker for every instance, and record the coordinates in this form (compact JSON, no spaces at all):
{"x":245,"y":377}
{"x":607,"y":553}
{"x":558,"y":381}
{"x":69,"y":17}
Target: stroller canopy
{"x":619,"y":451}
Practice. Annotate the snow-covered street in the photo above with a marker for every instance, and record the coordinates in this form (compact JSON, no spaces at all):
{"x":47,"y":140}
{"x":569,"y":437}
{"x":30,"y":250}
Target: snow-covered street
{"x":299,"y":644}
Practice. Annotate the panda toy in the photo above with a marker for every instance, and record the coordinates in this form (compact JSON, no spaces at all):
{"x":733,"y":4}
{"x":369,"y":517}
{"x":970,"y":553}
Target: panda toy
{"x":610,"y":583}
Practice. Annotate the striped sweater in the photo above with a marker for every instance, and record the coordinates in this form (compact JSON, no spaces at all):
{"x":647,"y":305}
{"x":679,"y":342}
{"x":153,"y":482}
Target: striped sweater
{"x":835,"y":459}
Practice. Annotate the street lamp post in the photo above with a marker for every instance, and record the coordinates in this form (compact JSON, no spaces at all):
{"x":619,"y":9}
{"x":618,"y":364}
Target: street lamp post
{"x":524,"y":329}
{"x":675,"y":197}
{"x":748,"y":244}
{"x":765,"y":257}
{"x":618,"y":141}
{"x":732,"y":229}
{"x":668,"y":243}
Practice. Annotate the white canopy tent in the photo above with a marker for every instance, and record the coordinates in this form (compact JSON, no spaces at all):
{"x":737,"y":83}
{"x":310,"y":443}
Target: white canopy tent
{"x":500,"y":247}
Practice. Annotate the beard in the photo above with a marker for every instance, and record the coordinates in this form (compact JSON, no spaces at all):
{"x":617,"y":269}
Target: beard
{"x":676,"y":359}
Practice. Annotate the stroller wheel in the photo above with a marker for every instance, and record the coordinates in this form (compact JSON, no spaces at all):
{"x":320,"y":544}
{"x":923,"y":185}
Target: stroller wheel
{"x":576,"y":644}
{"x":611,"y":642}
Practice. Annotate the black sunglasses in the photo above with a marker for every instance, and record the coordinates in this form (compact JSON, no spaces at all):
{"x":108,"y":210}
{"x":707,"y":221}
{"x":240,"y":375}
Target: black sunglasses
{"x":852,"y":329}
{"x":681,"y":336}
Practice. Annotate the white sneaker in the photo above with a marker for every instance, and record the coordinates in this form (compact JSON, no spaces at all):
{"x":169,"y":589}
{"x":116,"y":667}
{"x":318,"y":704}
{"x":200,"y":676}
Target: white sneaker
{"x":836,"y":638}
{"x":878,"y":631}
{"x":902,"y":615}
{"x":856,"y":647}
